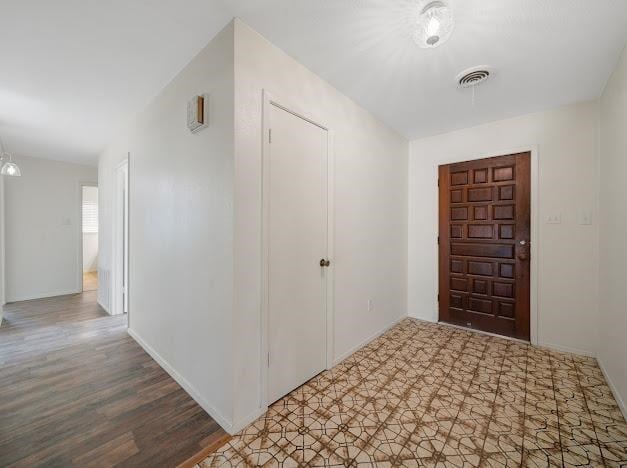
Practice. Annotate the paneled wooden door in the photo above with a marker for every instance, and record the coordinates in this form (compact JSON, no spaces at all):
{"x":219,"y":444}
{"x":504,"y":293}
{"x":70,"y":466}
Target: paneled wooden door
{"x":484,"y":244}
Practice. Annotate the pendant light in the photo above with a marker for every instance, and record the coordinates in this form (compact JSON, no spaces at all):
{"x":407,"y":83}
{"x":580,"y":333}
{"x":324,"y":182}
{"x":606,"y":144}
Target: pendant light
{"x":8,"y":168}
{"x":435,"y":25}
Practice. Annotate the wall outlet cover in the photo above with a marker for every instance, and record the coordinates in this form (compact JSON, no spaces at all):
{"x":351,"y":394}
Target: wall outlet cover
{"x":585,"y":218}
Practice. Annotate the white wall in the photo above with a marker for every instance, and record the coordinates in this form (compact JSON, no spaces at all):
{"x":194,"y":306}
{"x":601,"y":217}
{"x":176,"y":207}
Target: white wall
{"x":90,"y":252}
{"x":195,"y":220}
{"x":90,"y":239}
{"x":370,"y":208}
{"x":567,"y":254}
{"x":42,"y":245}
{"x":181,"y":228}
{"x":613,"y":293}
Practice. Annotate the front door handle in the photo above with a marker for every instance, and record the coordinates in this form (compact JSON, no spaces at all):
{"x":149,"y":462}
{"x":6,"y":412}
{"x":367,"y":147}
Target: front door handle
{"x":324,"y":262}
{"x":525,"y":249}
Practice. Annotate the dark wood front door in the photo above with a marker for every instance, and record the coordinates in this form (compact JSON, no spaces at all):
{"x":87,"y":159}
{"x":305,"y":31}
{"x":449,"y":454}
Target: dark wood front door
{"x":484,"y":242}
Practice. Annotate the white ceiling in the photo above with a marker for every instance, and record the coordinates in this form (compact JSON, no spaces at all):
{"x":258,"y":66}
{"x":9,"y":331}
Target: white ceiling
{"x":73,"y":72}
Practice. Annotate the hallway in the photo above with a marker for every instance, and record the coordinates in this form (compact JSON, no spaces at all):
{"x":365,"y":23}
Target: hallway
{"x":76,"y":390}
{"x":90,"y":281}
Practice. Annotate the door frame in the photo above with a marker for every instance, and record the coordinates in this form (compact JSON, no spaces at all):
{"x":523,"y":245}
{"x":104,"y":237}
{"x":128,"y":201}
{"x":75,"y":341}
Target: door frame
{"x":119,"y":268}
{"x":2,"y":251}
{"x":81,"y":184}
{"x":534,"y":249}
{"x":268,"y":100}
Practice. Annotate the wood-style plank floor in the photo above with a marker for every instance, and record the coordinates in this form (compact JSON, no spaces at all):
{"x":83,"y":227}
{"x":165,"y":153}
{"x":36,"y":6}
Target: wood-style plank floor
{"x":76,"y":390}
{"x":90,"y":281}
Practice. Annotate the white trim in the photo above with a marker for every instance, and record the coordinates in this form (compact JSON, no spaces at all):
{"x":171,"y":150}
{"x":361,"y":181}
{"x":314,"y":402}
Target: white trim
{"x":549,"y":346}
{"x":372,"y":337}
{"x":617,"y":395}
{"x":330,"y":332}
{"x":44,"y":295}
{"x":188,"y":387}
{"x":106,"y":309}
{"x":2,"y":250}
{"x":243,"y":422}
{"x":534,"y":302}
{"x":269,"y":100}
{"x":476,"y":330}
{"x":81,"y":184}
{"x":567,"y":349}
{"x":116,"y":303}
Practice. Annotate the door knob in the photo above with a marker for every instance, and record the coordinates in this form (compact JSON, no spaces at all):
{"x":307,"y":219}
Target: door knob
{"x":523,"y":255}
{"x":324,"y":262}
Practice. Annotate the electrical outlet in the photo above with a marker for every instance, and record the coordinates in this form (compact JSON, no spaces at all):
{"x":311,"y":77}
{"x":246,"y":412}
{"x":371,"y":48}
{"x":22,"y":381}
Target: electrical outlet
{"x":585,"y":217}
{"x":555,"y":218}
{"x":370,"y":305}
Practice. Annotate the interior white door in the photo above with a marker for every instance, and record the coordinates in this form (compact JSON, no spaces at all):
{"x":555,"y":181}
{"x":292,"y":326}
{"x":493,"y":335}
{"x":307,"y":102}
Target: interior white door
{"x":125,"y":236}
{"x":296,"y":175}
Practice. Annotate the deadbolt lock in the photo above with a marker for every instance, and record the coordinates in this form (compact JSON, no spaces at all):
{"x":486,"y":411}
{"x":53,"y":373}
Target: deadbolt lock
{"x":324,"y":262}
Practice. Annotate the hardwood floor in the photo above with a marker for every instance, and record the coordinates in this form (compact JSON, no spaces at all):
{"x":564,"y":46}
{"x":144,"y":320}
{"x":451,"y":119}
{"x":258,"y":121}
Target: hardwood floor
{"x":76,"y":390}
{"x":90,"y":281}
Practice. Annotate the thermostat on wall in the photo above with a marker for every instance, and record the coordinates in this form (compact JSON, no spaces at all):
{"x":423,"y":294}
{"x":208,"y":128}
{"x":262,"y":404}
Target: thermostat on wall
{"x":198,"y":113}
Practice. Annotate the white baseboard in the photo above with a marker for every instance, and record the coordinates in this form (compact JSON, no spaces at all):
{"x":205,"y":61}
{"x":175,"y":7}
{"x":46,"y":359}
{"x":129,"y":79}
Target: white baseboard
{"x":106,"y":309}
{"x":46,"y":295}
{"x":567,"y":349}
{"x":252,"y":417}
{"x":430,"y":319}
{"x":242,"y":423}
{"x":351,"y":351}
{"x":188,"y":387}
{"x":554,"y":347}
{"x":474,"y":330}
{"x":617,"y":396}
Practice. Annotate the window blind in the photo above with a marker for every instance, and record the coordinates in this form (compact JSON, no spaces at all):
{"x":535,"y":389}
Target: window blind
{"x":90,"y":217}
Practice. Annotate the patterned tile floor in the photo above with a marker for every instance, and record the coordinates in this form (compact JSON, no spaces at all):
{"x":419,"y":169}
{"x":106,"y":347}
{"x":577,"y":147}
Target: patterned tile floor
{"x":430,"y":395}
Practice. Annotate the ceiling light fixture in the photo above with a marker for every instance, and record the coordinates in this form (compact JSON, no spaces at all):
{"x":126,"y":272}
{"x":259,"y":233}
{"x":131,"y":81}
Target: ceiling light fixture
{"x":8,"y":168}
{"x":435,"y":25}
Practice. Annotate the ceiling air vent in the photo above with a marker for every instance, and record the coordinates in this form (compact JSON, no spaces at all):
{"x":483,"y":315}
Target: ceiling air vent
{"x":473,"y":76}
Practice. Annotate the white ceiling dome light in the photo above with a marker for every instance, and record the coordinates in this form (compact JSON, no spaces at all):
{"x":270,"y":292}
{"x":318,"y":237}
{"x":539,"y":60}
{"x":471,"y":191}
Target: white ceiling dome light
{"x":435,"y":24}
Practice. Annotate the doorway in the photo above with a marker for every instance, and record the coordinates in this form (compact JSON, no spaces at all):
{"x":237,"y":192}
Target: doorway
{"x":296,"y":248}
{"x":485,"y":244}
{"x":89,"y":234}
{"x":120,"y":251}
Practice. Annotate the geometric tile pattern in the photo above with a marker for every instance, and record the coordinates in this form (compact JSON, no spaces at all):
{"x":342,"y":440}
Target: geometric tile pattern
{"x":429,"y":395}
